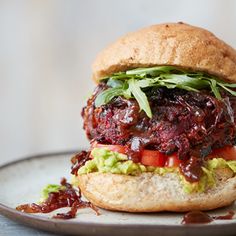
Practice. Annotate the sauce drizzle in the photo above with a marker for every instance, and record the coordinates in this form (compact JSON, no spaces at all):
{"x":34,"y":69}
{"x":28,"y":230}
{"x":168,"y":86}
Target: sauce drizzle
{"x":196,"y":217}
{"x":199,"y":217}
{"x":228,"y":216}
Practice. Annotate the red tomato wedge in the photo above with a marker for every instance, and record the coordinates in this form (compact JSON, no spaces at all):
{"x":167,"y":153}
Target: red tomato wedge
{"x":153,"y":158}
{"x":158,"y":159}
{"x":228,"y":153}
{"x":172,"y":161}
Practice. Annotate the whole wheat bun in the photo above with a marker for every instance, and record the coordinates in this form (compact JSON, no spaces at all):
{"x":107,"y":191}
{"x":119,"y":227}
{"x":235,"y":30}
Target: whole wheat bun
{"x":150,"y":192}
{"x":176,"y":44}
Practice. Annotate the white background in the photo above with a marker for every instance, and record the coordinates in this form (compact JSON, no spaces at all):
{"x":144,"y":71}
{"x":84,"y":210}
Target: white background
{"x":46,"y":51}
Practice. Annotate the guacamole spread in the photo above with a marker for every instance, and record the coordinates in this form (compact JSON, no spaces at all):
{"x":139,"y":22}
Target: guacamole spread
{"x":106,"y":161}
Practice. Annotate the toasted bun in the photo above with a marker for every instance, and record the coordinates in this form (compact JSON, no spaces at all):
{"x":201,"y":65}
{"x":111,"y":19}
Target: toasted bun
{"x":150,"y":192}
{"x":176,"y":44}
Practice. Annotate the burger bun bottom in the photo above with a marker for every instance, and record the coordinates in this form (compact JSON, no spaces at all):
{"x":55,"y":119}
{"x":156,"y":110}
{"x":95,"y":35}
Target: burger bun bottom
{"x":149,"y":192}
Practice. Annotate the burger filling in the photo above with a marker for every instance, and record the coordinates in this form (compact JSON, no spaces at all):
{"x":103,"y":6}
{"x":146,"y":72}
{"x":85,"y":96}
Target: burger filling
{"x":160,"y":119}
{"x":106,"y":161}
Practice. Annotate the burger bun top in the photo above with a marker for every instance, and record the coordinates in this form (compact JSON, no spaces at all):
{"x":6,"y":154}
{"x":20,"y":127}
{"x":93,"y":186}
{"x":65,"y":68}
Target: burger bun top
{"x":176,"y":44}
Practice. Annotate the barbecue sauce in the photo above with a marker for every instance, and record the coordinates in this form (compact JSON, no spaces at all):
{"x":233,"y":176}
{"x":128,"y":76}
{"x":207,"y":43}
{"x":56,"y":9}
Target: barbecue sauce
{"x":78,"y":161}
{"x":68,"y":197}
{"x":199,"y":217}
{"x":196,"y":217}
{"x":228,"y":216}
{"x":191,"y":169}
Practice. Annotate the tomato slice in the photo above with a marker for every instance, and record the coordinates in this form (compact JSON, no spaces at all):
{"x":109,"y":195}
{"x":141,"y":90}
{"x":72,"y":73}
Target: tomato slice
{"x":228,"y":153}
{"x":148,"y":157}
{"x":158,"y":159}
{"x":114,"y":148}
{"x":172,"y":161}
{"x":153,"y":158}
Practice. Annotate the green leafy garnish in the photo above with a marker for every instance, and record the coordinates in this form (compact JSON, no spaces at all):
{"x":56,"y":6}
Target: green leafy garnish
{"x":140,"y":96}
{"x":153,"y":71}
{"x":108,"y":95}
{"x":50,"y":188}
{"x":130,"y":84}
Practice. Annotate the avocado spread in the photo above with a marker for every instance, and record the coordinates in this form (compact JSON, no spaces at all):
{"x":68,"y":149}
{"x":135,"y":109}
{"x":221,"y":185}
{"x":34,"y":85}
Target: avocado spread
{"x":106,"y":161}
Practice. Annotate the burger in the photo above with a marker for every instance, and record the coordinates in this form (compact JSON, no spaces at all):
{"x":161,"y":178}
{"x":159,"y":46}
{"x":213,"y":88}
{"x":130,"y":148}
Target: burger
{"x":161,"y":123}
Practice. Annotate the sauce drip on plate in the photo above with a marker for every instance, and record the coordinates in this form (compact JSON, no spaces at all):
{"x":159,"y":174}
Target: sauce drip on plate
{"x":196,"y":217}
{"x":199,"y":217}
{"x":228,"y":216}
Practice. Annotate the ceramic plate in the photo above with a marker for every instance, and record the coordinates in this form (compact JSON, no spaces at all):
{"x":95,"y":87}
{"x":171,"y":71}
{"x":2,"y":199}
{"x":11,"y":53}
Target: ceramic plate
{"x":22,"y":181}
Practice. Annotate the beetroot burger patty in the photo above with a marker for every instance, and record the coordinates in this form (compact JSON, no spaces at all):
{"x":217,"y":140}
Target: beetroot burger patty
{"x":185,"y":122}
{"x":189,"y":123}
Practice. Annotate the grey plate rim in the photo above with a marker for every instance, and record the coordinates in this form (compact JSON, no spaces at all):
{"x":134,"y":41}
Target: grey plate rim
{"x":31,"y":220}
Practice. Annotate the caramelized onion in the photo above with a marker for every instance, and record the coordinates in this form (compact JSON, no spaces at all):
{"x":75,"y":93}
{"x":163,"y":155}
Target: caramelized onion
{"x":68,"y":197}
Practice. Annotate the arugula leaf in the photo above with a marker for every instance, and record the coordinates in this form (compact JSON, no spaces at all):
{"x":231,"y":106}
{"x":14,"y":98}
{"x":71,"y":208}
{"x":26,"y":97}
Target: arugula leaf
{"x":185,"y":80}
{"x":140,"y":96}
{"x":115,"y":83}
{"x":130,"y":84}
{"x":107,"y":95}
{"x":144,"y":83}
{"x":123,"y":76}
{"x":214,"y":88}
{"x":227,"y":85}
{"x":227,"y":89}
{"x":188,"y":88}
{"x":154,"y":71}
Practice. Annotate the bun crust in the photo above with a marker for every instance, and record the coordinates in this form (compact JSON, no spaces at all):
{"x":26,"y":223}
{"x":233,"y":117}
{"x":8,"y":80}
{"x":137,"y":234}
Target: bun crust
{"x":176,"y":44}
{"x":150,"y":192}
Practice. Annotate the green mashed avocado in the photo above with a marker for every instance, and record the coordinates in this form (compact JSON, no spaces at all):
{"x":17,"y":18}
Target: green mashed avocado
{"x":106,"y":161}
{"x":50,"y":188}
